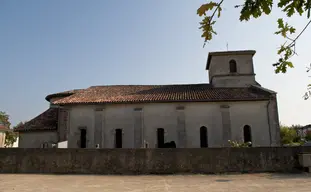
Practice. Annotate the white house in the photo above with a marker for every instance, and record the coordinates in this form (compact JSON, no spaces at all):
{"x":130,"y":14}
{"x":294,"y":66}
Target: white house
{"x":232,"y":106}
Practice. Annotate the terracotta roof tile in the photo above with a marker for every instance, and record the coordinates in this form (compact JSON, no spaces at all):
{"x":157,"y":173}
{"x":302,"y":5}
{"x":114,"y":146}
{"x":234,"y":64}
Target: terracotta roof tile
{"x":4,"y":128}
{"x":161,"y":93}
{"x":62,"y":94}
{"x":45,"y":121}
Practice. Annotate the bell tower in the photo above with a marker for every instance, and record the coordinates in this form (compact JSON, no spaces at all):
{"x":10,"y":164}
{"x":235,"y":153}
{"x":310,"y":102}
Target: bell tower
{"x":231,"y":68}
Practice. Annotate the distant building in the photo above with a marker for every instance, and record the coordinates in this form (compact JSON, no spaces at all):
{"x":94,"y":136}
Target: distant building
{"x":303,"y":131}
{"x":233,"y":106}
{"x":3,"y":129}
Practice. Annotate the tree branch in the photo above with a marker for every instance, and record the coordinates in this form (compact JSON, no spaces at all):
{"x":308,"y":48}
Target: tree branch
{"x":216,"y":10}
{"x":299,"y":34}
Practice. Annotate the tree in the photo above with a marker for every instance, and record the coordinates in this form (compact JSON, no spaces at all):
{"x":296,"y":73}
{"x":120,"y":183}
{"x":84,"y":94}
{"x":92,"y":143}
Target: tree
{"x":4,"y":119}
{"x":255,"y":9}
{"x":10,"y":136}
{"x":288,"y":135}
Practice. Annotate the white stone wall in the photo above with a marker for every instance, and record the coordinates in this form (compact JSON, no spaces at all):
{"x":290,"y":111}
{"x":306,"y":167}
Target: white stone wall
{"x":219,"y":65}
{"x":254,"y":115}
{"x":2,"y":138}
{"x":36,"y":139}
{"x":233,"y":81}
{"x":219,"y":71}
{"x":165,"y":115}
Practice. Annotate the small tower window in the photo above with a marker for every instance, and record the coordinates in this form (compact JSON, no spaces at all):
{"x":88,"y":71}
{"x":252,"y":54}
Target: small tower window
{"x":233,"y":67}
{"x":247,"y":134}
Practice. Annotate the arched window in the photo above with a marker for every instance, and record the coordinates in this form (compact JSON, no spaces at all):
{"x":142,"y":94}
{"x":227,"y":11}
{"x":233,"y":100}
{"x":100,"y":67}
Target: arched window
{"x":203,"y":137}
{"x":160,"y":137}
{"x":247,"y":134}
{"x":118,"y":138}
{"x":233,"y":67}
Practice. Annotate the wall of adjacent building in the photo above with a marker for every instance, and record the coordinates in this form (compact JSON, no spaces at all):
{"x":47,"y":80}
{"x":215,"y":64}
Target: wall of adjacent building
{"x":181,"y":121}
{"x":2,"y":138}
{"x":36,"y":139}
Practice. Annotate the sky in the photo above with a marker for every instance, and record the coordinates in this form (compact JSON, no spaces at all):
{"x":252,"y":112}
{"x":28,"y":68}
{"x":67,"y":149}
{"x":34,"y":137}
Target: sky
{"x":53,"y":46}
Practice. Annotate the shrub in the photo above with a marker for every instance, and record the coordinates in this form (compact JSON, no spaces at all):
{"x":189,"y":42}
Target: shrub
{"x":239,"y":144}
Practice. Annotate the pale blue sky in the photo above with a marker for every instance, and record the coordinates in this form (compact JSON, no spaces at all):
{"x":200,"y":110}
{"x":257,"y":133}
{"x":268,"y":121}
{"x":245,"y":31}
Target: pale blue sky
{"x":53,"y":46}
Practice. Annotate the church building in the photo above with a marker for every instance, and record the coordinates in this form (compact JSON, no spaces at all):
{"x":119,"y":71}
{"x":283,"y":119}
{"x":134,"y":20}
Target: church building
{"x":232,"y":106}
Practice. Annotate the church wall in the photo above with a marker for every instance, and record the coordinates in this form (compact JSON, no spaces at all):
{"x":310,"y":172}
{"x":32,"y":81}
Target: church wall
{"x":101,"y":122}
{"x":37,"y":139}
{"x":160,"y":115}
{"x":207,"y":115}
{"x":253,"y":114}
{"x":81,"y":117}
{"x":119,"y":117}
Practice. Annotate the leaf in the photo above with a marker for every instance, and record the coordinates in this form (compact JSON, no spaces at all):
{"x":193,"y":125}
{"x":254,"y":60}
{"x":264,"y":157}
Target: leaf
{"x":280,"y":23}
{"x":206,"y":7}
{"x":219,"y":11}
{"x":284,"y":28}
{"x":308,"y":7}
{"x":290,"y":64}
{"x":292,"y":30}
{"x":255,"y":8}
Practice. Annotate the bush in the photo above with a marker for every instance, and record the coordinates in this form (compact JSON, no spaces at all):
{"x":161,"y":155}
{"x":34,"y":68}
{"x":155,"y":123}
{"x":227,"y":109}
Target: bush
{"x":288,"y":135}
{"x":239,"y":144}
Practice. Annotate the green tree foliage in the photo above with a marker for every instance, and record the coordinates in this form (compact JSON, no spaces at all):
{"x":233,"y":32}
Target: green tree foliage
{"x":288,"y":135}
{"x":4,"y":119}
{"x":10,"y":136}
{"x":254,"y":9}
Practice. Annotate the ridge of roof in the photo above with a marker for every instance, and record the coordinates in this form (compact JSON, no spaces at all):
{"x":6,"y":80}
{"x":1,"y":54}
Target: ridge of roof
{"x":174,"y":84}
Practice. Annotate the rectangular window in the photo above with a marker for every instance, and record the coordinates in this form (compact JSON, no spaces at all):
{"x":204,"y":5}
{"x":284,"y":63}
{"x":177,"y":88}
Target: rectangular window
{"x":160,"y":135}
{"x":82,"y":138}
{"x":203,"y":137}
{"x":118,"y":138}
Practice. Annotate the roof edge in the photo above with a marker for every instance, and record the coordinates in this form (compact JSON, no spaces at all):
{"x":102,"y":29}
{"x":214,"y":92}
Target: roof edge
{"x":61,"y":94}
{"x":221,"y":53}
{"x":264,"y":89}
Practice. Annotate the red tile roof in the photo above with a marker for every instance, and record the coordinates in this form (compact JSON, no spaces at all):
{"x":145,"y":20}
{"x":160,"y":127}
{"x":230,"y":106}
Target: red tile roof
{"x":45,"y":121}
{"x":4,"y":128}
{"x":162,"y":93}
{"x":142,"y":94}
{"x":61,"y":94}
